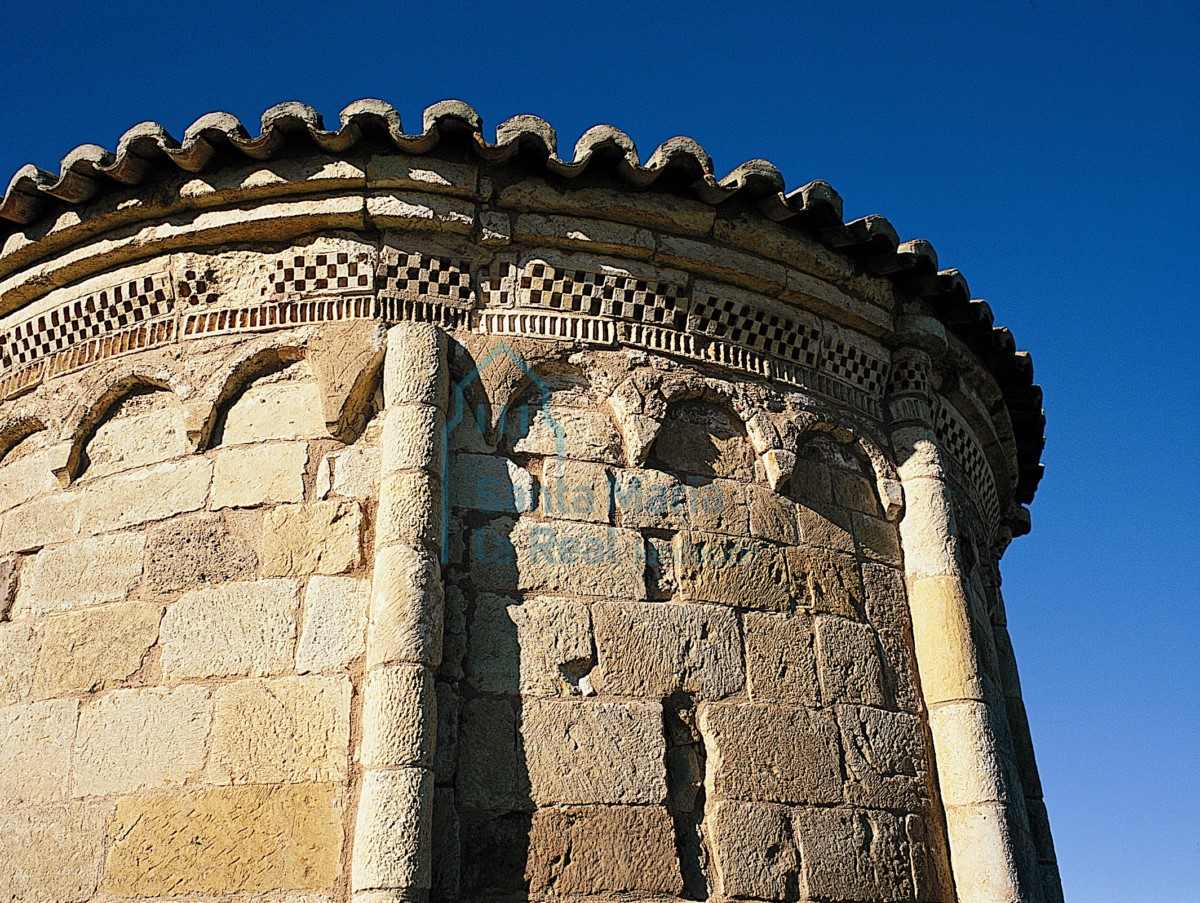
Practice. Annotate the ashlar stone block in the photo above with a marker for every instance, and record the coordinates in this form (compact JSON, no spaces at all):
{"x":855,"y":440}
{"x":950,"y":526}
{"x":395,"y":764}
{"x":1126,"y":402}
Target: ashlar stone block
{"x":738,"y":572}
{"x":848,"y":653}
{"x":35,"y":747}
{"x":855,"y":854}
{"x":321,"y":538}
{"x":132,"y":740}
{"x":582,"y":752}
{"x":244,"y":629}
{"x":591,"y":850}
{"x":81,"y":573}
{"x":770,"y":753}
{"x":656,"y":649}
{"x":781,"y":663}
{"x":229,"y":840}
{"x":755,"y":855}
{"x":580,"y":559}
{"x":885,"y":758}
{"x":285,"y":731}
{"x":244,"y":477}
{"x":335,"y":623}
{"x":52,"y":852}
{"x":86,"y":650}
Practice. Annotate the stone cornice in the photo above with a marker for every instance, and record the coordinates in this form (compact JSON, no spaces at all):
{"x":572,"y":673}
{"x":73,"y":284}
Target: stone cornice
{"x":99,"y":190}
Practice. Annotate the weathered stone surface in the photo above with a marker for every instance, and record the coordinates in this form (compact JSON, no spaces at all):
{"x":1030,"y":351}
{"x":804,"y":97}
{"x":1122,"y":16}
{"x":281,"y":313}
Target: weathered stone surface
{"x":321,"y":538}
{"x":781,"y":664}
{"x":35,"y":747}
{"x":410,"y":509}
{"x":572,"y":747}
{"x":19,"y":647}
{"x":50,"y":519}
{"x":675,"y":214}
{"x":577,"y":558}
{"x":968,"y":770}
{"x":565,"y":432}
{"x":603,"y":849}
{"x":87,"y":650}
{"x":589,"y":234}
{"x":8,"y":587}
{"x":408,"y":438}
{"x":196,"y":549}
{"x":355,"y":471}
{"x":718,"y":506}
{"x":335,"y":623}
{"x":257,"y":474}
{"x":742,"y":573}
{"x":392,"y":833}
{"x":147,"y":429}
{"x":654,"y":650}
{"x":86,"y":572}
{"x":855,"y":854}
{"x":492,"y":772}
{"x":769,"y":753}
{"x":396,"y":729}
{"x":405,"y":622}
{"x":52,"y":852}
{"x":755,"y":853}
{"x":542,"y":647}
{"x":225,"y":841}
{"x":878,"y":538}
{"x":26,"y":476}
{"x":825,"y":581}
{"x":234,"y":629}
{"x":285,"y":731}
{"x":772,"y":516}
{"x":848,"y":653}
{"x":885,"y":762}
{"x":153,"y":493}
{"x":132,"y":740}
{"x":575,"y":490}
{"x":650,"y":498}
{"x":825,"y":528}
{"x":490,"y":483}
{"x":275,"y":410}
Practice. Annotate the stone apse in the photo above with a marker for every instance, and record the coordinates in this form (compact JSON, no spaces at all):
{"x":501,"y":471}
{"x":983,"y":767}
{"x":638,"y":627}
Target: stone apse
{"x":394,"y":516}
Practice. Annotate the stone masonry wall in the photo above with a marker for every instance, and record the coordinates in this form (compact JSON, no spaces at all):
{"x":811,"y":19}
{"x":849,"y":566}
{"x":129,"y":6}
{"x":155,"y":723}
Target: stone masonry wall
{"x":442,"y":534}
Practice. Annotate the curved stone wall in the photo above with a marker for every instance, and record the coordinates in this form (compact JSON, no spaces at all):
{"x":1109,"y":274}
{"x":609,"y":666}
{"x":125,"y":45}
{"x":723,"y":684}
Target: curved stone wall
{"x":411,"y":517}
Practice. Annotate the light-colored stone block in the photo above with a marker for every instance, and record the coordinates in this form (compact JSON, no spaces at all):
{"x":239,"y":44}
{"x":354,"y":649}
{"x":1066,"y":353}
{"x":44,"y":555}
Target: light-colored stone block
{"x":572,"y":748}
{"x":152,"y":493}
{"x":52,"y":852}
{"x":230,"y":840}
{"x":81,"y":573}
{"x":19,"y":647}
{"x":656,"y":649}
{"x":87,"y":650}
{"x":235,"y":629}
{"x":969,"y":770}
{"x":244,"y":477}
{"x":276,"y":410}
{"x":769,"y":753}
{"x":155,"y":433}
{"x":35,"y":747}
{"x":51,"y":519}
{"x":131,"y":740}
{"x":321,"y":538}
{"x":285,"y":731}
{"x":335,"y":623}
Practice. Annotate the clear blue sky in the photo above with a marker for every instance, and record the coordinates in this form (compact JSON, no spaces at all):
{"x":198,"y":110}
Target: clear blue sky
{"x":1048,"y":150}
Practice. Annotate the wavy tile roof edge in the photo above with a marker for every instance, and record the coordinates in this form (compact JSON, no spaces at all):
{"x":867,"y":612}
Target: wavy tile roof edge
{"x":89,"y":170}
